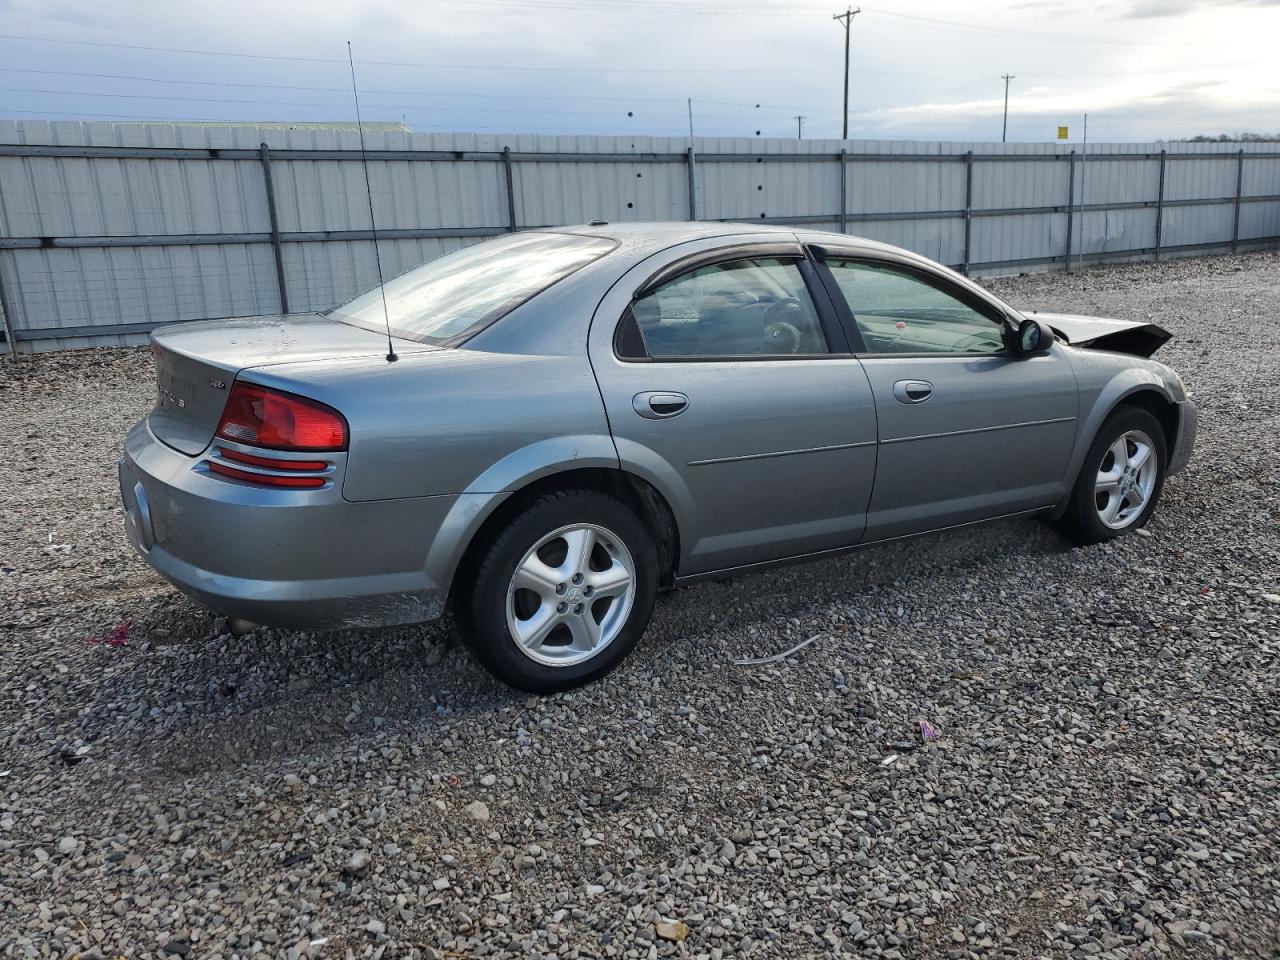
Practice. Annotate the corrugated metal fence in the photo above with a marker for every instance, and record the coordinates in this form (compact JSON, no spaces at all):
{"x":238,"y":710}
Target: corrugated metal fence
{"x":108,"y":231}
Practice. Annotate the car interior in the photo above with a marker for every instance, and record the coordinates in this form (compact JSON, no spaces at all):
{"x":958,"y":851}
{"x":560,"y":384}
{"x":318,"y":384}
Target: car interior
{"x":761,"y":307}
{"x":900,"y":313}
{"x":739,"y":308}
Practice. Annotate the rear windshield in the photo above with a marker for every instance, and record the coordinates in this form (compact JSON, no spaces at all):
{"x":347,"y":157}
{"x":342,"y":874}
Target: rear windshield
{"x":445,"y":301}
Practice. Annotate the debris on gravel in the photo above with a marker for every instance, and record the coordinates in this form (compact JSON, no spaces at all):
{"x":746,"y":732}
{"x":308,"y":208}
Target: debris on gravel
{"x":1083,"y":748}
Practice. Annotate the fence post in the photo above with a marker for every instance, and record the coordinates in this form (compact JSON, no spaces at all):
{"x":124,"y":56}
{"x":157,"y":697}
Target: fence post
{"x":1160,"y":205}
{"x":1071,"y":203}
{"x":968,"y":207}
{"x":1235,"y":226}
{"x":265,"y":154}
{"x":693,"y":186}
{"x":844,"y":195}
{"x":9,"y":336}
{"x":511,"y":189}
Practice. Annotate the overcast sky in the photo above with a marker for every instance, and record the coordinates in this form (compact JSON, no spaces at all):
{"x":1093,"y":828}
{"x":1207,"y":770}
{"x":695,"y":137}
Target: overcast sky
{"x":1142,"y":69}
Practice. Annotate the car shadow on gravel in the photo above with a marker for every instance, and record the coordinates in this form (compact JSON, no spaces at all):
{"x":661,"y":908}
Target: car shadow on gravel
{"x":202,"y":699}
{"x":792,"y":592}
{"x":205,"y":700}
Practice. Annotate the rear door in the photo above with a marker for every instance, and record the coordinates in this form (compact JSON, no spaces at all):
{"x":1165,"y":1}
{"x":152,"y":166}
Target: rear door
{"x":729,"y":385}
{"x":968,"y":429}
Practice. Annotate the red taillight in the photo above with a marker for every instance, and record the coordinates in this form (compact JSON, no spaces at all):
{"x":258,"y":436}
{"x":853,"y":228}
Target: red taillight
{"x":262,"y":417}
{"x":265,"y":479}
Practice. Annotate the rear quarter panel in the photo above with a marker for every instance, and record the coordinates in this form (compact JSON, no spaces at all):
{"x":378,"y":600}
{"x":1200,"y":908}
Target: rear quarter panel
{"x":456,"y":421}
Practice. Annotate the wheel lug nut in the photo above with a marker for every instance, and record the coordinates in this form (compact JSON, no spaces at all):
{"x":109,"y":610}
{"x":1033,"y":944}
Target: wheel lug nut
{"x":577,"y":578}
{"x":561,"y":607}
{"x":560,"y":588}
{"x":588,"y":591}
{"x":578,"y":609}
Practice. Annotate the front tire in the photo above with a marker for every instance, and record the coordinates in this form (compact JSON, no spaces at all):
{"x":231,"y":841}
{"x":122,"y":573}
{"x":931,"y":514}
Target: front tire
{"x":1120,"y":480}
{"x":562,"y":593}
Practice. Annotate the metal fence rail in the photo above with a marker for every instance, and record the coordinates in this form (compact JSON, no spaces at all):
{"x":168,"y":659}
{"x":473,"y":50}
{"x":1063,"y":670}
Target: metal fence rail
{"x":99,"y":243}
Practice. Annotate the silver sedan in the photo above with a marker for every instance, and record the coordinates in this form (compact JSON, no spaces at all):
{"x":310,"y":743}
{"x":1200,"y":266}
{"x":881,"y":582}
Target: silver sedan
{"x":542,"y":430}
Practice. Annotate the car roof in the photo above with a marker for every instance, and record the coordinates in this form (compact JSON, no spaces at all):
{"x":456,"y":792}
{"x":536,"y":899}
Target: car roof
{"x":650,"y":236}
{"x":657,"y":245}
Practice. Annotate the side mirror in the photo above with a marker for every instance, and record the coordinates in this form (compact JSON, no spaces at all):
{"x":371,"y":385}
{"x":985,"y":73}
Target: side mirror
{"x":1034,"y":338}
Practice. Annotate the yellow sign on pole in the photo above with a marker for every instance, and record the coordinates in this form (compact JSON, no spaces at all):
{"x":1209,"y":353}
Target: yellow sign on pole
{"x":1062,"y":133}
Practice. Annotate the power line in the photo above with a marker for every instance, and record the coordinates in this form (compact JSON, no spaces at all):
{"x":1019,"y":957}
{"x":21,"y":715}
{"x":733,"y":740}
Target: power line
{"x":395,"y":63}
{"x":951,"y":80}
{"x":959,"y":26}
{"x":410,"y":93}
{"x":1146,"y":73}
{"x":739,"y":9}
{"x":458,"y":93}
{"x":282,"y":86}
{"x":385,"y":106}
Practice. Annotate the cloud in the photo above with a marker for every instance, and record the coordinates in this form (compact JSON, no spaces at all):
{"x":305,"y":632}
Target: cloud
{"x":1138,"y":9}
{"x":571,"y":67}
{"x":1150,"y":9}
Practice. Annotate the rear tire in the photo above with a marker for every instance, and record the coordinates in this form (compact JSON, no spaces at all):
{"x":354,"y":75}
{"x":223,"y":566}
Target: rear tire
{"x":1120,"y":480}
{"x":562,"y":593}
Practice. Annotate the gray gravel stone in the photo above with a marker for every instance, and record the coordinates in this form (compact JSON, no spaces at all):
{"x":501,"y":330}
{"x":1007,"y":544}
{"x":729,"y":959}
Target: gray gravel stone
{"x":1104,"y":783}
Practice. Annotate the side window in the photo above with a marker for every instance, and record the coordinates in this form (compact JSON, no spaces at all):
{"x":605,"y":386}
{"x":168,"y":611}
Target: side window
{"x":757,"y":307}
{"x":897,"y":312}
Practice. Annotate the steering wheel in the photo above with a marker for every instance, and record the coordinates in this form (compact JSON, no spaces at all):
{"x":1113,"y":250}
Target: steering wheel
{"x":780,"y":335}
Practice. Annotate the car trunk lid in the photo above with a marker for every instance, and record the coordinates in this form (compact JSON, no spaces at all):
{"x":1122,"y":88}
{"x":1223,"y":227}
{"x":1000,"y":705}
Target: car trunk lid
{"x":196,"y":364}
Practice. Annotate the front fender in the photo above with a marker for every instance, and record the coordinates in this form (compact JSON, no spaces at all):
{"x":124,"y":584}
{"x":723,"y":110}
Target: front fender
{"x":1105,"y":382}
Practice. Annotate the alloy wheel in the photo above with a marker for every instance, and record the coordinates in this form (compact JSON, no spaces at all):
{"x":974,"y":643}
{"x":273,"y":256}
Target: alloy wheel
{"x":1126,"y":479}
{"x":570,"y":595}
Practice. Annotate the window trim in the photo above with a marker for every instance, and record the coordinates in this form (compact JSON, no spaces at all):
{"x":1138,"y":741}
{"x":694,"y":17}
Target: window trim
{"x":833,"y":331}
{"x":706,"y":258}
{"x":826,"y":255}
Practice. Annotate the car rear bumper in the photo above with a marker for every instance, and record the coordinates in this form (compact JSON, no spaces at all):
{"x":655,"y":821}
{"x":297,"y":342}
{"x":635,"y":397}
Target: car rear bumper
{"x":306,"y":559}
{"x":1188,"y":425}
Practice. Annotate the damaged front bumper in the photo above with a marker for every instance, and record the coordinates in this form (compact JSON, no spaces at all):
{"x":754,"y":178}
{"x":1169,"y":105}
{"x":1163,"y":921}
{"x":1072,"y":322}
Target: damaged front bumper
{"x":1185,"y":441}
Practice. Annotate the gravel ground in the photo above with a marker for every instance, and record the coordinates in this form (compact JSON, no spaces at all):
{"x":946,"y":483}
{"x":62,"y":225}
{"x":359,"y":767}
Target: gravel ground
{"x":1105,"y":781}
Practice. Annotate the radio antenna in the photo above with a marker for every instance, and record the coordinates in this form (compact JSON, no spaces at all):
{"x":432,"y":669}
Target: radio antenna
{"x":368,"y":192}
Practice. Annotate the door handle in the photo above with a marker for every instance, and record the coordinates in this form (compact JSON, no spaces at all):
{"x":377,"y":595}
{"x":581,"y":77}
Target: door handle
{"x":912,"y":391}
{"x":659,"y":405}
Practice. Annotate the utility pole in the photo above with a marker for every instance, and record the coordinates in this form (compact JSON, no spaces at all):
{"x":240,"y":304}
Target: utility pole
{"x":800,"y":128}
{"x":693,"y":178}
{"x":1084,"y":195}
{"x":1004,"y":130}
{"x":847,"y":19}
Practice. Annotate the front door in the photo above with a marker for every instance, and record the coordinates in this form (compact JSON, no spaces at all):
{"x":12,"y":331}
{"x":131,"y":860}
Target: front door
{"x":968,"y":430}
{"x":729,"y":386}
